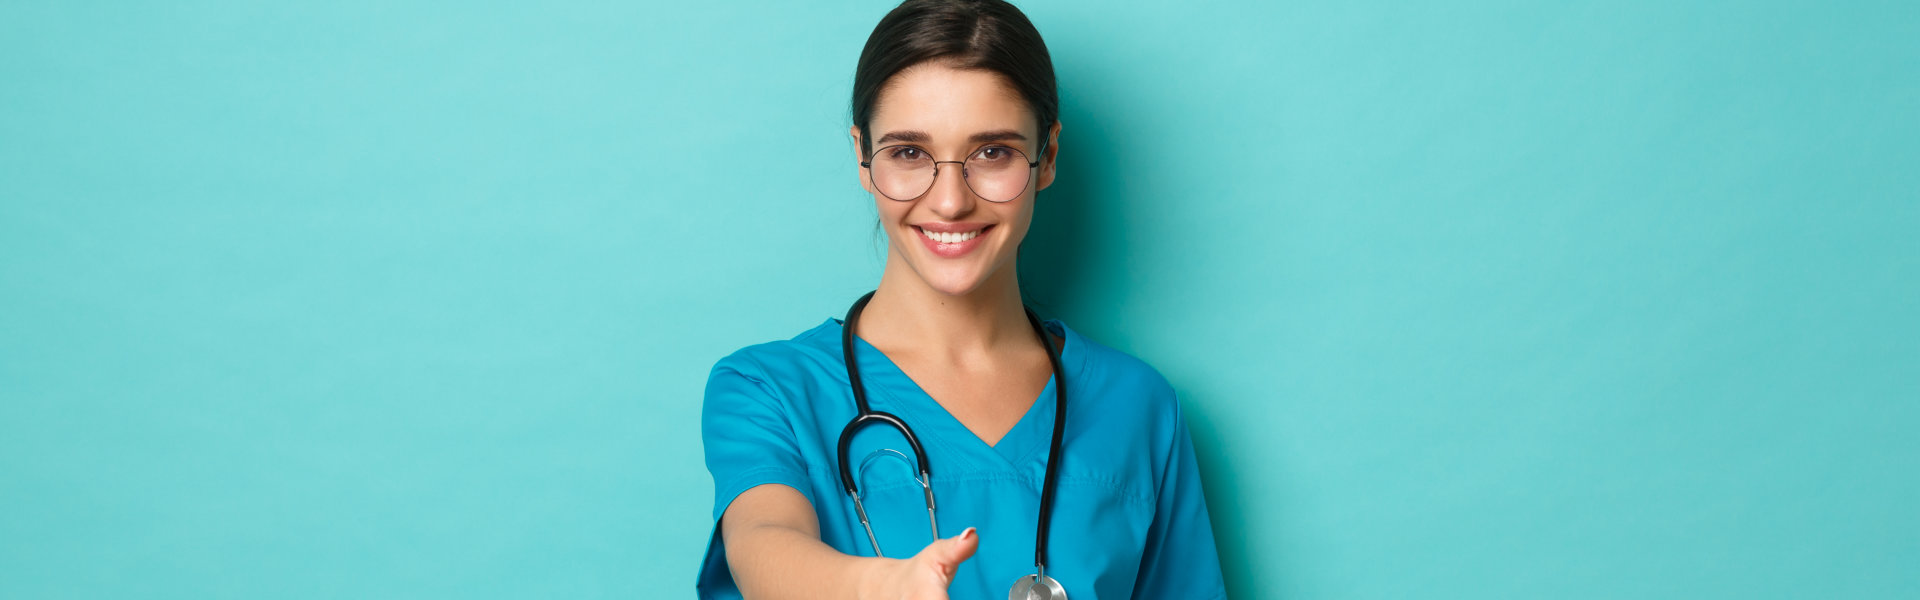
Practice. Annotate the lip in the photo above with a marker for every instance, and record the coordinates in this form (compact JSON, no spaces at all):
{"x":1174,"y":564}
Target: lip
{"x":956,"y":250}
{"x":952,"y":227}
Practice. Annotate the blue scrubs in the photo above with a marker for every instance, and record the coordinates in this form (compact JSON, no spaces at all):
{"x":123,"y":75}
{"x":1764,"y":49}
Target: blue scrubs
{"x":1128,"y":517}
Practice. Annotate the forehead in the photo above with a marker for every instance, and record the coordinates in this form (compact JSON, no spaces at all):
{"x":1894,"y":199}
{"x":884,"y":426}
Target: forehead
{"x":949,"y":104}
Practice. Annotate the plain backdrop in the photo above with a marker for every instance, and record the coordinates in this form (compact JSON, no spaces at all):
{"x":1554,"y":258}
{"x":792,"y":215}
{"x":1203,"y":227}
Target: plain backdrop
{"x":1479,"y":299}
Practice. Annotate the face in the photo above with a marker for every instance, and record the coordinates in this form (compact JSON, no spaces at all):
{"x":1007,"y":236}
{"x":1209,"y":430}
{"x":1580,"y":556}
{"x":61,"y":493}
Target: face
{"x":951,"y":238}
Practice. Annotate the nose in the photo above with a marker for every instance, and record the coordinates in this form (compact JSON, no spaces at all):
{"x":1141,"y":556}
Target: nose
{"x":950,"y":198}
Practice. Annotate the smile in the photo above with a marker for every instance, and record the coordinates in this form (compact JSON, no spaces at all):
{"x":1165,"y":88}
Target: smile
{"x":951,"y":244}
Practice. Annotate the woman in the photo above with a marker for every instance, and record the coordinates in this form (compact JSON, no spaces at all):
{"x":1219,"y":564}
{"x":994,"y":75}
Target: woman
{"x":955,"y":126}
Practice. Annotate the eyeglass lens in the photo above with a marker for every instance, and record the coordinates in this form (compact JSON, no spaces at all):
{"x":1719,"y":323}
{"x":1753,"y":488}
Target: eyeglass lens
{"x":995,"y":173}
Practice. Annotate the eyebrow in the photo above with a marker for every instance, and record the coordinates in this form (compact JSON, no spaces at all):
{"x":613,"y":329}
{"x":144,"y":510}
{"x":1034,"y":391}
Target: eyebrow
{"x":922,"y":137}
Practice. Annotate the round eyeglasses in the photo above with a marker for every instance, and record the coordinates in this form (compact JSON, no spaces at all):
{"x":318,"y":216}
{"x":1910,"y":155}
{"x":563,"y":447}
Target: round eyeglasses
{"x":995,"y":173}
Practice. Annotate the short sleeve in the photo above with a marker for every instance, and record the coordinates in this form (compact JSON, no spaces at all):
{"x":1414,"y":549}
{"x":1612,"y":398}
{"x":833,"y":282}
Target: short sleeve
{"x":1180,"y":560}
{"x":749,"y":441}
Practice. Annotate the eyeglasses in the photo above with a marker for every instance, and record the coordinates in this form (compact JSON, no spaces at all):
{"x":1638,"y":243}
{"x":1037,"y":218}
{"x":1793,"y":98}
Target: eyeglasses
{"x":995,"y":173}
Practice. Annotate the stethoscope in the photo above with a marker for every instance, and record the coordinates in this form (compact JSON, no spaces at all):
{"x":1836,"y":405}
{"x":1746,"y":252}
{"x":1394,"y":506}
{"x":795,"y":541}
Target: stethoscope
{"x":1037,"y":586}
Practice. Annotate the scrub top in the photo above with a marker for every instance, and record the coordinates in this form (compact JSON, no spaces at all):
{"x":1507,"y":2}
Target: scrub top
{"x":1128,"y":517}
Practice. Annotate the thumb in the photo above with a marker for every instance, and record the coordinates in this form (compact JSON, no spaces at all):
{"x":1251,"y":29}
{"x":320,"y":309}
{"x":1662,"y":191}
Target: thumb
{"x":950,"y":552}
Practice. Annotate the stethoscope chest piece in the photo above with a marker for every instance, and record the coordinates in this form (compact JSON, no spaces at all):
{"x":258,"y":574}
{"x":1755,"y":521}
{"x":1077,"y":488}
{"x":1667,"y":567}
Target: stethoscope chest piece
{"x":1037,"y":587}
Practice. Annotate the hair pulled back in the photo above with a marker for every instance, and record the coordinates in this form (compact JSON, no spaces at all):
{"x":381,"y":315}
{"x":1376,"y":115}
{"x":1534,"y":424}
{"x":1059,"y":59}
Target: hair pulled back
{"x":989,"y":35}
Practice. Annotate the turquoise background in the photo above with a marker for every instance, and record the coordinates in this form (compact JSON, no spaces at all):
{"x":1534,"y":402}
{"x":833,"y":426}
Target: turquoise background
{"x":1465,"y":300}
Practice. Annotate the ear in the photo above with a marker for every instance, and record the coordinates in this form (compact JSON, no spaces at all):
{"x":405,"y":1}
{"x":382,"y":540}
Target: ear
{"x":1050,"y":158}
{"x":859,"y":172}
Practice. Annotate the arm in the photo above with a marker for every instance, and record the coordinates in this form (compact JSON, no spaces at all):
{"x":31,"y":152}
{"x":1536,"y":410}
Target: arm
{"x":774,"y":550}
{"x":767,"y":524}
{"x":1180,"y":559}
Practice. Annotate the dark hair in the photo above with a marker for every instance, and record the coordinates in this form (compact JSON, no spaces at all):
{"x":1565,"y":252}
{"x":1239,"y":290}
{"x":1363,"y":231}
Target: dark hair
{"x":990,"y":35}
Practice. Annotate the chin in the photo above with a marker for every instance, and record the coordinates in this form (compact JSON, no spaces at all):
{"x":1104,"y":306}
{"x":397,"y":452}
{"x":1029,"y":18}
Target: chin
{"x":956,"y":284}
{"x":949,"y":277}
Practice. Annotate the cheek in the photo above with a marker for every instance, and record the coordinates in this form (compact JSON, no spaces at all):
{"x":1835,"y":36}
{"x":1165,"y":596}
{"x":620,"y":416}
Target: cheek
{"x":1023,"y":218}
{"x":890,"y":212}
{"x":1019,"y":237}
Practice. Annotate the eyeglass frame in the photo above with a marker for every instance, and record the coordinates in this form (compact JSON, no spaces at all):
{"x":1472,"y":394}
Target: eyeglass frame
{"x":1031,"y":165}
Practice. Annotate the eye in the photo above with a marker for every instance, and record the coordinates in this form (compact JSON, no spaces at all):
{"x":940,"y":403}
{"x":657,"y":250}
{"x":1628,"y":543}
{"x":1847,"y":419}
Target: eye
{"x":905,"y":153}
{"x":993,"y":154}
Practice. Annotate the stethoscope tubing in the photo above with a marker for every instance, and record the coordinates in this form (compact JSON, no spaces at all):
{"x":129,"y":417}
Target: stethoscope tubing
{"x":868,"y":416}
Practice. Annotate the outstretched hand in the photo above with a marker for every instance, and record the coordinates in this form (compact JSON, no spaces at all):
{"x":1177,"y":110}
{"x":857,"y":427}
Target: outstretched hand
{"x":926,"y":575}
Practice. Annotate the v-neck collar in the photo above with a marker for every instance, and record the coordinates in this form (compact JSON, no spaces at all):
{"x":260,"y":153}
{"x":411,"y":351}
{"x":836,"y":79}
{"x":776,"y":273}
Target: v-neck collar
{"x":1029,"y":436}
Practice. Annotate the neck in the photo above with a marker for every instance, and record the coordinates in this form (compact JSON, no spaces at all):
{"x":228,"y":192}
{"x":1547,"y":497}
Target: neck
{"x":907,"y":314}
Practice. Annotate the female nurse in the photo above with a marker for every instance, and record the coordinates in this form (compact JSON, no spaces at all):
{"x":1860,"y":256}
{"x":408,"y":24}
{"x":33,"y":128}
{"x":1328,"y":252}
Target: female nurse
{"x":956,"y":130}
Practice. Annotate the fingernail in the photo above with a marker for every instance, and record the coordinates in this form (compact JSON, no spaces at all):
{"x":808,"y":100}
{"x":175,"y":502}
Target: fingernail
{"x":966,"y":534}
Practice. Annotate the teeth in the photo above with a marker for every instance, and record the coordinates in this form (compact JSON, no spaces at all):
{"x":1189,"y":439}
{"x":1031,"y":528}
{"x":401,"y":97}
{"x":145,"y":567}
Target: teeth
{"x":950,"y":238}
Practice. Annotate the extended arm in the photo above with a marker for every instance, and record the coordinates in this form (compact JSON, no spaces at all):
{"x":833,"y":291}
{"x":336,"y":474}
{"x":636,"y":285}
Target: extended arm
{"x":774,"y":550}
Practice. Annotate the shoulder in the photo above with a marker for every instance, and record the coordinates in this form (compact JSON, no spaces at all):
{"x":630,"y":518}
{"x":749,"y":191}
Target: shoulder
{"x":812,"y":351}
{"x":1116,"y":376}
{"x":1125,"y":409}
{"x":767,"y":384}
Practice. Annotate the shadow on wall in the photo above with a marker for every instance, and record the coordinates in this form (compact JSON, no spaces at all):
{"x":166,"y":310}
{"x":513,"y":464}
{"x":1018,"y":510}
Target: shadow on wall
{"x":1055,"y":258}
{"x":1069,"y":273}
